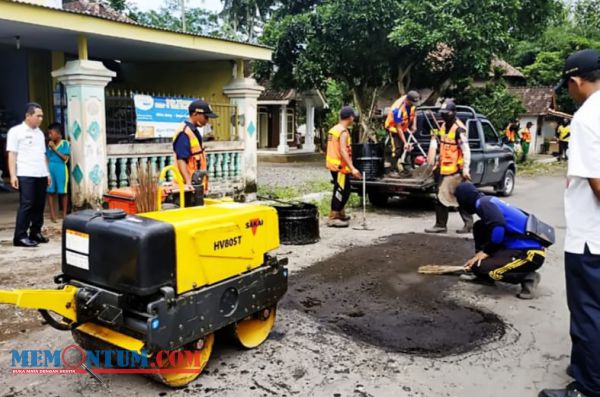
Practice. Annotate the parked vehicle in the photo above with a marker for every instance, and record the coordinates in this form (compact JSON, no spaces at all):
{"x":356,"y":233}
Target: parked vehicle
{"x":492,"y":162}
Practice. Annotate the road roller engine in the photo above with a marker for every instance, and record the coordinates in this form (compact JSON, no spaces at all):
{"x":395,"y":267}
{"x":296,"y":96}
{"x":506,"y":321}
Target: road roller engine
{"x":165,"y":281}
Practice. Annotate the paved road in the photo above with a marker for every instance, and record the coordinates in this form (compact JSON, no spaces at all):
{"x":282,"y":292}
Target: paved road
{"x":306,"y":357}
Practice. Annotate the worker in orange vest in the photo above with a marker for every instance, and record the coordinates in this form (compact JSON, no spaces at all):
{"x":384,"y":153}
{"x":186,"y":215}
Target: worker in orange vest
{"x":511,"y":133}
{"x":187,"y":142}
{"x":402,"y":120}
{"x":339,"y":162}
{"x":452,"y":167}
{"x":525,"y":135}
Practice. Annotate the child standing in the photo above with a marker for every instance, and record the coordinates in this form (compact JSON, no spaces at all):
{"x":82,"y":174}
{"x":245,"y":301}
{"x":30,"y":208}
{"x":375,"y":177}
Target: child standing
{"x":58,"y":153}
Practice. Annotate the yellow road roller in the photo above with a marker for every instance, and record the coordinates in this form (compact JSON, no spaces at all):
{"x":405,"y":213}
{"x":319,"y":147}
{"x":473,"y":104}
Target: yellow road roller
{"x":165,"y":281}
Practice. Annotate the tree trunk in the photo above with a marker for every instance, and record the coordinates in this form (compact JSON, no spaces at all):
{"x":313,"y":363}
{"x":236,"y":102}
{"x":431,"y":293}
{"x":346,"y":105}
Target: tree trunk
{"x":437,"y":92}
{"x":357,"y":95}
{"x":404,"y":78}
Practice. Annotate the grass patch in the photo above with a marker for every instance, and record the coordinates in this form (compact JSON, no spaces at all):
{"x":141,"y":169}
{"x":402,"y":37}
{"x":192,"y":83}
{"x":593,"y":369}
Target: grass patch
{"x":531,"y":168}
{"x":280,"y":193}
{"x":324,"y":204}
{"x":294,"y":192}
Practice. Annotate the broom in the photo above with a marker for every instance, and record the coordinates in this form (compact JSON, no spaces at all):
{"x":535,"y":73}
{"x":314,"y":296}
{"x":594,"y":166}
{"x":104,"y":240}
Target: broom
{"x":146,"y":189}
{"x":440,"y":269}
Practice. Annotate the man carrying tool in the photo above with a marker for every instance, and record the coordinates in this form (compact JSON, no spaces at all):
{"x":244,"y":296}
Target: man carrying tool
{"x":453,"y":167}
{"x":402,"y":120}
{"x":187,"y":142}
{"x":339,"y":162}
{"x":525,"y":135}
{"x":509,"y":243}
{"x":563,"y":133}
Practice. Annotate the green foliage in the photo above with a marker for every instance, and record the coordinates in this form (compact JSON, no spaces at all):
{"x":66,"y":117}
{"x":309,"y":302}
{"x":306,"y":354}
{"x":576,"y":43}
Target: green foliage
{"x":542,"y":59}
{"x":494,"y":101}
{"x":336,"y":94}
{"x":118,"y":5}
{"x":198,"y":20}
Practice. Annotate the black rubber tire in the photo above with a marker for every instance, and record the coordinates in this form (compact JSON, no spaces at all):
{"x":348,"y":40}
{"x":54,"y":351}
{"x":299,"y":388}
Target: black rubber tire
{"x":378,"y":199}
{"x":507,"y":186}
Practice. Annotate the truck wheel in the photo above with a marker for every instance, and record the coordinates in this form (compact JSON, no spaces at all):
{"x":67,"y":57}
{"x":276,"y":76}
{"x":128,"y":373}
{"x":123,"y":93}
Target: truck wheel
{"x":506,"y":187}
{"x":378,"y":199}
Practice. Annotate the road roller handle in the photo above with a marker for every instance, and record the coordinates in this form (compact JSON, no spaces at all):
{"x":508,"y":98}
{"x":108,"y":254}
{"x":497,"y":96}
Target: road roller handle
{"x":59,"y":301}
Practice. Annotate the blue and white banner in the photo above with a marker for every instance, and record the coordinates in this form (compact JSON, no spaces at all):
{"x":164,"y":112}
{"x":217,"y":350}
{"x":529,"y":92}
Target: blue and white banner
{"x":159,"y":117}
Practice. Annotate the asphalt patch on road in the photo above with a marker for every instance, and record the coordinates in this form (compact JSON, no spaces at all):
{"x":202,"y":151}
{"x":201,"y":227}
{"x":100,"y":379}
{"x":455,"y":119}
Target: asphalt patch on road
{"x":374,"y":294}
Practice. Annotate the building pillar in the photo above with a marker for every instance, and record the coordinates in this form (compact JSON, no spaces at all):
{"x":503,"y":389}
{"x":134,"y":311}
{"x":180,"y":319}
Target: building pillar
{"x":283,"y":147}
{"x":84,"y":82}
{"x":309,"y":138}
{"x":244,"y":93}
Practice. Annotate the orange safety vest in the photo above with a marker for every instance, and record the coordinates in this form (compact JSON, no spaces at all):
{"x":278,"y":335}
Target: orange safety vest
{"x":510,"y":135}
{"x":525,"y":135}
{"x":197,"y":160}
{"x":451,"y":156}
{"x":334,"y":161}
{"x":407,"y":120}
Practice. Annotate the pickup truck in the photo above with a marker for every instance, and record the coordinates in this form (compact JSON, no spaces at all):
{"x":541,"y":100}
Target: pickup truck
{"x":492,"y":162}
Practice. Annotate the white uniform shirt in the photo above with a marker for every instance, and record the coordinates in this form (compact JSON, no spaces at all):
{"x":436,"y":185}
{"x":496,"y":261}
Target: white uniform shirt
{"x":30,"y":146}
{"x":582,"y":207}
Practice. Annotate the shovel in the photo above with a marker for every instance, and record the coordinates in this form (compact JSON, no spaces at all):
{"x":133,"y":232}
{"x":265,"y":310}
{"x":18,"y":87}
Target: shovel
{"x":364,"y":225}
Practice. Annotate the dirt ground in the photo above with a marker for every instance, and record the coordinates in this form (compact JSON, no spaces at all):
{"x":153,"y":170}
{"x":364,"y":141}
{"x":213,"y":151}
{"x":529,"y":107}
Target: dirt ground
{"x":357,"y":320}
{"x":375,"y":295}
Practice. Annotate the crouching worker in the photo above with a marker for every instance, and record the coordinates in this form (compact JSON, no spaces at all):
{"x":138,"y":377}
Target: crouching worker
{"x":339,"y":162}
{"x":510,"y":243}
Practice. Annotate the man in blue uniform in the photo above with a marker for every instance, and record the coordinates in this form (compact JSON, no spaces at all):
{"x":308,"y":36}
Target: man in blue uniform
{"x":506,"y":250}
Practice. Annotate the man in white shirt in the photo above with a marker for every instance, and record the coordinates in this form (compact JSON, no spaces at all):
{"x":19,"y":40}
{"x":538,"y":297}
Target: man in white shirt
{"x":582,"y":209}
{"x":27,"y":163}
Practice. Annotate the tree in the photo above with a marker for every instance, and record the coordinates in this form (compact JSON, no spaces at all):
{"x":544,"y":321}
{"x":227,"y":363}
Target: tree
{"x":495,"y":101}
{"x":247,"y":16}
{"x":342,"y":40}
{"x":118,"y":5}
{"x":446,"y":41}
{"x":198,"y":20}
{"x":542,"y":60}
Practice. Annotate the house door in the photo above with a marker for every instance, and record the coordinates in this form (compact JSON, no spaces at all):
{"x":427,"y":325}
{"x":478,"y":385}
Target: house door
{"x":263,"y":129}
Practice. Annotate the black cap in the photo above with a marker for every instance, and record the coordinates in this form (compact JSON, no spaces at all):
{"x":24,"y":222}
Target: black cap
{"x":467,"y":195}
{"x":579,"y":63}
{"x":347,"y":112}
{"x":413,"y":96}
{"x":200,"y":106}
{"x":448,"y":106}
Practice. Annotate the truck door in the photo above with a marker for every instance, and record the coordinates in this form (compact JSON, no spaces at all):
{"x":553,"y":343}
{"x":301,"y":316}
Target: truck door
{"x":477,"y":160}
{"x":492,"y":153}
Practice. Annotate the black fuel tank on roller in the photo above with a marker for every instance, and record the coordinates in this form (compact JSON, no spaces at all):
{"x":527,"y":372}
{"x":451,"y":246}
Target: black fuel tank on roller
{"x":126,"y":253}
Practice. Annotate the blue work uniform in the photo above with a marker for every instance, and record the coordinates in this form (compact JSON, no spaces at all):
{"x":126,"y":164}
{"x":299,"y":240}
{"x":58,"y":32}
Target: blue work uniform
{"x":59,"y":172}
{"x":501,"y":233}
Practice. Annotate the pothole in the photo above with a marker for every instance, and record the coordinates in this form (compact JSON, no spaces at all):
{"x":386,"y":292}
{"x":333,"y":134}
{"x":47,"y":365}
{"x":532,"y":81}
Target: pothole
{"x":374,"y":294}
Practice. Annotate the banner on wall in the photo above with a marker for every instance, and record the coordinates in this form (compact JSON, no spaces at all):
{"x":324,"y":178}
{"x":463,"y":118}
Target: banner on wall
{"x":159,"y":117}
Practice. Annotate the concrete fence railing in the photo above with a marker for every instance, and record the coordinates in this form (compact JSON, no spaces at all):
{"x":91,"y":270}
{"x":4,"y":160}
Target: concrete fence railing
{"x":224,"y":163}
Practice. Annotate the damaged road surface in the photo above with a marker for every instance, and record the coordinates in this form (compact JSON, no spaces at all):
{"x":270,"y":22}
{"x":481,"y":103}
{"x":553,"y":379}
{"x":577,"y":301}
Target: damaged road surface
{"x":374,"y":294}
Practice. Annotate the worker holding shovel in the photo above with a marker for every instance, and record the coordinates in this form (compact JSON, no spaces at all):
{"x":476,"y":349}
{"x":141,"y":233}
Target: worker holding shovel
{"x":401,"y":120}
{"x":452,"y":168}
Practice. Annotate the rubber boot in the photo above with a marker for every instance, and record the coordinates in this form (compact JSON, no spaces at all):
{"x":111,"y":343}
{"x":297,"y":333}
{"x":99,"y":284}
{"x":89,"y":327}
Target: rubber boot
{"x":343,"y":216}
{"x":529,"y":286}
{"x":335,"y":221}
{"x":468,"y":220}
{"x":441,"y":219}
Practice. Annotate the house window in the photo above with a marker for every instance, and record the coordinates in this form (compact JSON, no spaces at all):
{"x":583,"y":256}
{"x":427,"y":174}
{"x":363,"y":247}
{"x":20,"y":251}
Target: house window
{"x":291,"y":125}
